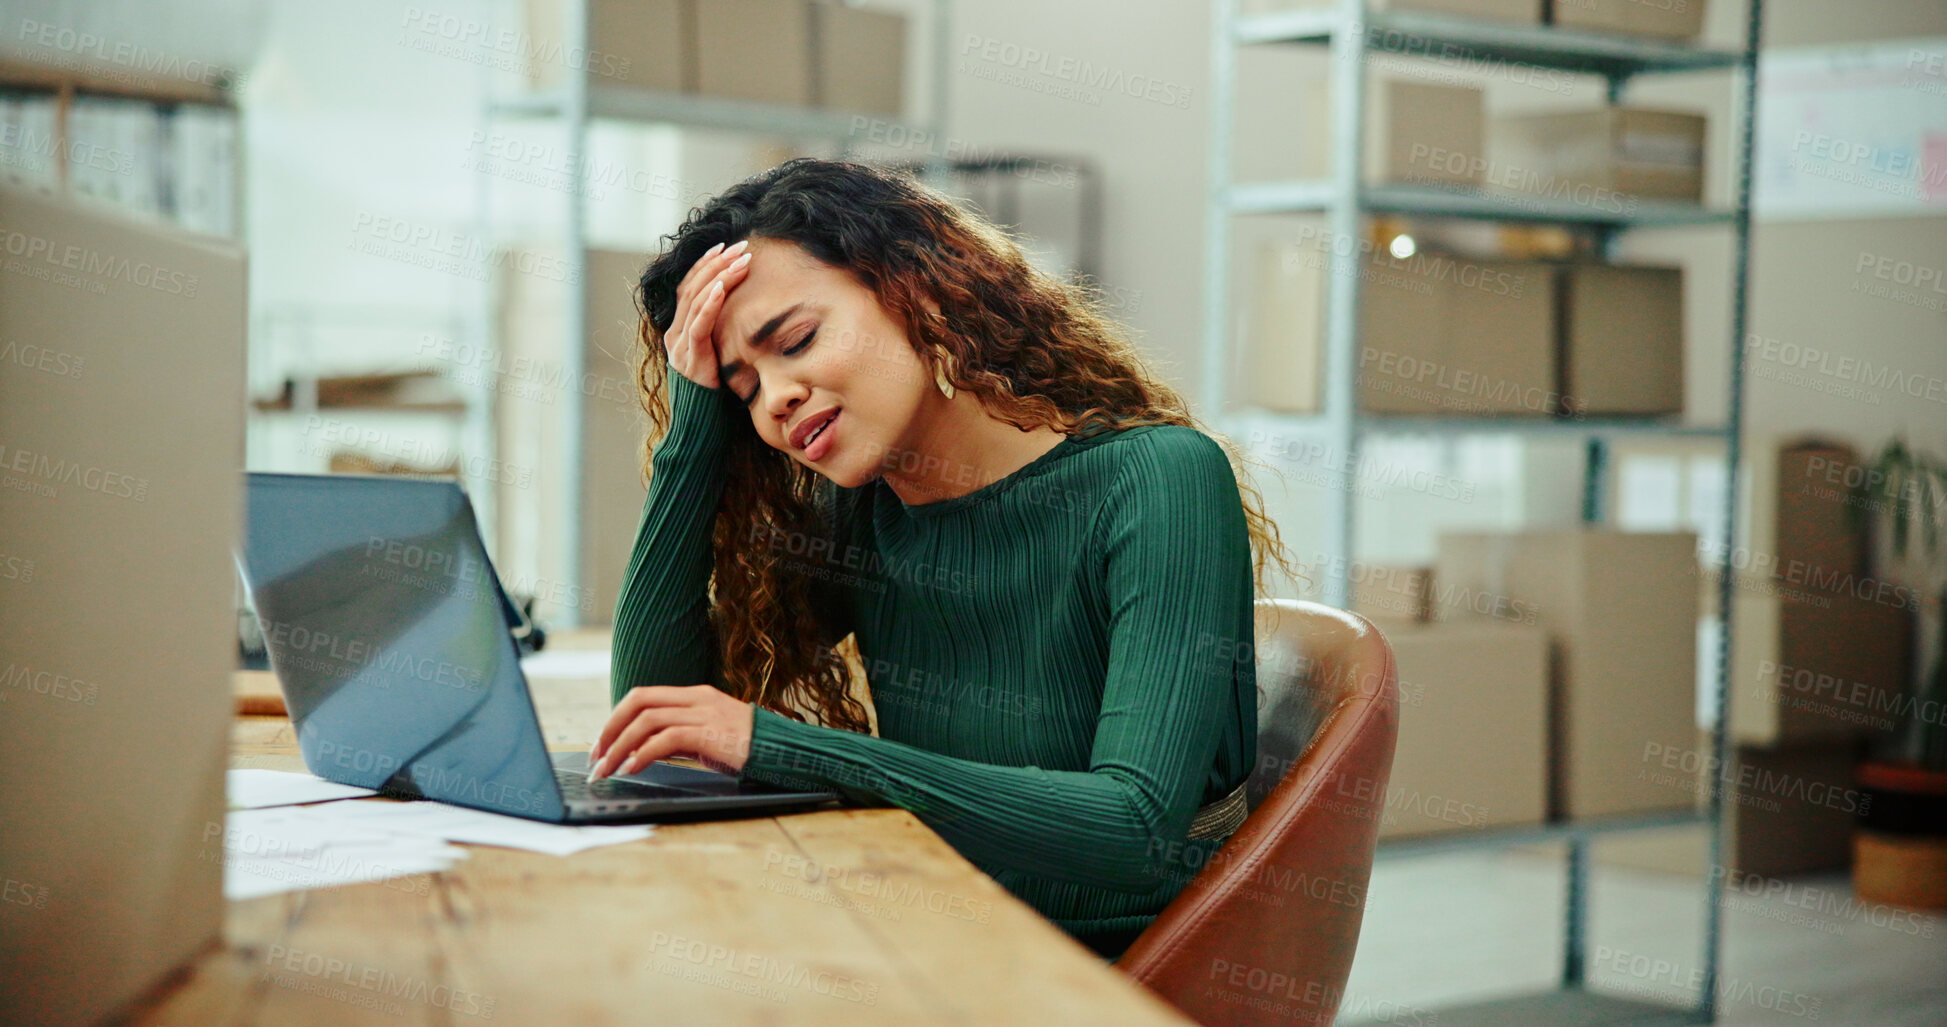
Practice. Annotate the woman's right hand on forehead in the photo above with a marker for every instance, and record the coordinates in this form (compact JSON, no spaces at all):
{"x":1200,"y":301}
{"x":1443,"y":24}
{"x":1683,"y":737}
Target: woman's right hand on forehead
{"x":699,"y":299}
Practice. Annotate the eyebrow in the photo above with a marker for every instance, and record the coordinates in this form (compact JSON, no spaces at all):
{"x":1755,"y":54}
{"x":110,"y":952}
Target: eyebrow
{"x":757,"y":339}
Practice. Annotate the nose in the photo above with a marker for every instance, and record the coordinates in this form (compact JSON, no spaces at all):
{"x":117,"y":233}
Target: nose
{"x":783,"y":393}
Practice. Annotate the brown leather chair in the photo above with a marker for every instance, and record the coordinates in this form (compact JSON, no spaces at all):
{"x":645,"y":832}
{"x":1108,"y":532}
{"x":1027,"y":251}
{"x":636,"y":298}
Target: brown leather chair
{"x":1264,"y":933}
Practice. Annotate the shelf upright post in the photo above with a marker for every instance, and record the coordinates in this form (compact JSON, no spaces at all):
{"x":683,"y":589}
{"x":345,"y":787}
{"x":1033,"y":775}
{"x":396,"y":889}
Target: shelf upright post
{"x":1343,"y":216}
{"x":1746,"y":119}
{"x":1217,"y":214}
{"x":574,"y":110}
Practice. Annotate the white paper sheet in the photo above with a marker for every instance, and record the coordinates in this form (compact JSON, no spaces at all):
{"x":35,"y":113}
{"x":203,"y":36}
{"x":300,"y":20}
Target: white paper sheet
{"x":291,"y":848}
{"x":458,"y":824}
{"x":255,"y":789}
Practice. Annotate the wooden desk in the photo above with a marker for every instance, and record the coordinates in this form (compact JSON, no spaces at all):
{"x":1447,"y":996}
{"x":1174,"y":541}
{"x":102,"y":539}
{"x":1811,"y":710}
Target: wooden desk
{"x":726,"y":922}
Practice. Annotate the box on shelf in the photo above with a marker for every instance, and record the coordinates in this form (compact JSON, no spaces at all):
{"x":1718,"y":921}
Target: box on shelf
{"x":1810,"y":664}
{"x":1621,"y":611}
{"x":1439,"y":334}
{"x":1450,"y":335}
{"x":1622,"y":339}
{"x":1416,"y":132}
{"x":861,"y":59}
{"x":1527,"y":11}
{"x":1601,"y":158}
{"x":643,"y":44}
{"x":1669,"y":19}
{"x":1459,"y":684}
{"x":755,"y":50}
{"x":1391,"y":596}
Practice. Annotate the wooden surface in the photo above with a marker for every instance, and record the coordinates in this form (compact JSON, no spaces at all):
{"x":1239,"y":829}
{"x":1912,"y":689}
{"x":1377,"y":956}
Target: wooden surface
{"x":842,"y":916}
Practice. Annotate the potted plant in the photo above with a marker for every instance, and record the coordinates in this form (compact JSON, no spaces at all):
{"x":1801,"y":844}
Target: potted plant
{"x":1900,"y":846}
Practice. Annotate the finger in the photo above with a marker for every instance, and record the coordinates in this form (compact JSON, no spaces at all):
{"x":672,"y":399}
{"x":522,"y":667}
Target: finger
{"x":685,"y":740}
{"x":637,"y":699}
{"x":706,"y":267}
{"x":645,"y":725}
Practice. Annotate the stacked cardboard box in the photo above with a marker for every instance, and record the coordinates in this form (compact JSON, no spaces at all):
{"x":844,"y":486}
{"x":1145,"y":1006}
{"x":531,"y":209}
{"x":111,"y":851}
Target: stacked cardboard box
{"x":790,"y":52}
{"x":1526,"y":11}
{"x":1391,"y":597}
{"x":1621,"y":611}
{"x":1621,"y":339}
{"x":1460,"y":684}
{"x":1668,"y":19}
{"x":1416,"y":132}
{"x":1602,"y":159}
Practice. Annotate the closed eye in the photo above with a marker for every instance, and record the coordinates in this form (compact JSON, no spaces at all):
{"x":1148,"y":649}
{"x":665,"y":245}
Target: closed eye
{"x":752,"y":398}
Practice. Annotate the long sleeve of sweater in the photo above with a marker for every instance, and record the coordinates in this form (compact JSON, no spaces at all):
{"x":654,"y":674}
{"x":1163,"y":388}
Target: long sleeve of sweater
{"x":662,"y":625}
{"x":1173,"y":552}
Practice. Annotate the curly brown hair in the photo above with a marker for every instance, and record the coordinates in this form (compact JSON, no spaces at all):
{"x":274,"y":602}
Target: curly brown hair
{"x":1037,"y":350}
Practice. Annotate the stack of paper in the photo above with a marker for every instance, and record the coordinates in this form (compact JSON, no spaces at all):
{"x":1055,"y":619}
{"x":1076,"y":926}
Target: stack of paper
{"x":292,"y":847}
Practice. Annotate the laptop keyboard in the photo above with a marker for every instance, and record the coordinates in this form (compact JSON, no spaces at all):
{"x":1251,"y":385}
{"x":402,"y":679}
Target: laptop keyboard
{"x":575,"y":785}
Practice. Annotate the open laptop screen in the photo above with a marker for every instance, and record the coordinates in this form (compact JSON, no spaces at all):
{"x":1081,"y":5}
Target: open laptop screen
{"x":386,"y":627}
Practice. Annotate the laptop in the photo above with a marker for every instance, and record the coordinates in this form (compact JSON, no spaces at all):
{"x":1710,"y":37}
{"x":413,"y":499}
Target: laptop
{"x":392,"y":641}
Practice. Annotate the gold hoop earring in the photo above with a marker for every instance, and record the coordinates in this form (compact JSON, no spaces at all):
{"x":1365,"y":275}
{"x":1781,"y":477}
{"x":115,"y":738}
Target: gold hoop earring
{"x":939,"y":378}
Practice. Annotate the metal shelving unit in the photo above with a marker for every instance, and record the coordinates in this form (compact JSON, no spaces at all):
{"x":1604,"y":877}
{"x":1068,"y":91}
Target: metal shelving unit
{"x":575,"y":104}
{"x":1350,"y":32}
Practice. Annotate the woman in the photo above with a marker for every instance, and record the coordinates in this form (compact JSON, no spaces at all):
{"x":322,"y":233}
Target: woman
{"x":886,"y":427}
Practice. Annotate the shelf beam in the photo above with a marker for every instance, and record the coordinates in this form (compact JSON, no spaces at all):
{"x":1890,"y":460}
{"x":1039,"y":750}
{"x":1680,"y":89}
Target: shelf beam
{"x":1302,"y":196}
{"x":1490,"y":44}
{"x":694,"y":110}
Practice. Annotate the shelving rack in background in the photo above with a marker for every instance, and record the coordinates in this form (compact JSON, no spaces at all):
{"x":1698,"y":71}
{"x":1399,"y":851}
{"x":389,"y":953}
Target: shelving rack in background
{"x":577,"y":102}
{"x":1350,"y":32}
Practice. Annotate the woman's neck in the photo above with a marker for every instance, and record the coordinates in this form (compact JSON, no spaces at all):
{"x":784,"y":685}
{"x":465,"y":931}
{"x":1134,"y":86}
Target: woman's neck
{"x":963,"y":447}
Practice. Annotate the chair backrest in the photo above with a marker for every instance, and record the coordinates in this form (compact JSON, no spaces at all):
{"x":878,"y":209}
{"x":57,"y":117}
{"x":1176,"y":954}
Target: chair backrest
{"x":1265,"y":932}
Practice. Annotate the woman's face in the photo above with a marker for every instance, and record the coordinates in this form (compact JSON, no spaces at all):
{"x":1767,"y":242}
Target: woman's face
{"x":799,"y":341}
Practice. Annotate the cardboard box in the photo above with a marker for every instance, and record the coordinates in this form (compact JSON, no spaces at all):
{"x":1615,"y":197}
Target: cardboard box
{"x":1799,"y":526}
{"x":1621,"y":611}
{"x":1622,"y":339}
{"x":530,"y":422}
{"x":1459,"y":684}
{"x":1284,"y":329}
{"x":643,"y":44}
{"x":1391,"y":596}
{"x":1526,"y":11}
{"x":1810,"y":665}
{"x":1668,"y":19}
{"x":1416,"y":132}
{"x":1449,"y":335}
{"x":122,"y":355}
{"x":1439,"y":334}
{"x":861,"y":59}
{"x":1600,"y":158}
{"x":1786,"y":811}
{"x":756,"y":50}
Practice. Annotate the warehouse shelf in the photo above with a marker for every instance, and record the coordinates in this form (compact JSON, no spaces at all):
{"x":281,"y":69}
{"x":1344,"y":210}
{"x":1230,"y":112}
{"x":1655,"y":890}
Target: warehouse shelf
{"x":693,"y":110}
{"x":580,"y":102}
{"x":1539,"y":834}
{"x":1437,"y":201}
{"x":1351,"y":32}
{"x":1414,"y":34}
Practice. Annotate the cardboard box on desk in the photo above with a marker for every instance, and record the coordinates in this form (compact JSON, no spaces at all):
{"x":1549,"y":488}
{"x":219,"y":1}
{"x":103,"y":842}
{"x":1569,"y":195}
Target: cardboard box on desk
{"x":1622,"y":339}
{"x":1416,"y":132}
{"x":122,"y":444}
{"x":1669,"y":19}
{"x":1601,"y":158}
{"x":1459,"y":684}
{"x":861,"y":59}
{"x":643,"y":44}
{"x":756,"y":50}
{"x":1621,"y":611}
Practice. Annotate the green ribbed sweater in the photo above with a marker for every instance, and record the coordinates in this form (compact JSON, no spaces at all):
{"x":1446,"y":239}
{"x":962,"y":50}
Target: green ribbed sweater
{"x":1054,"y":657}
